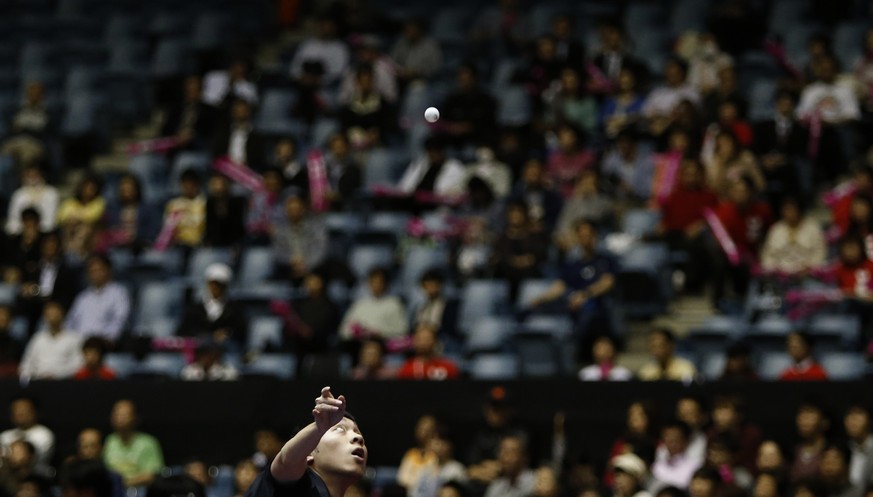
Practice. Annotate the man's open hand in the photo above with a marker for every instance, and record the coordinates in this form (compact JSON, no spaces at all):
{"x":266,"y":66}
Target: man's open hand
{"x":328,"y":410}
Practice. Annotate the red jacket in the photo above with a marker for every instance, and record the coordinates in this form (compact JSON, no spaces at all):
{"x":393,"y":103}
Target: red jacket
{"x":103,"y":374}
{"x":685,"y":207}
{"x":747,"y":227}
{"x":856,"y":279}
{"x":811,"y":371}
{"x":436,"y":368}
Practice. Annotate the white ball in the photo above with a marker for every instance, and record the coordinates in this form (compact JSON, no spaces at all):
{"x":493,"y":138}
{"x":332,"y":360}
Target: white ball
{"x":432,"y":115}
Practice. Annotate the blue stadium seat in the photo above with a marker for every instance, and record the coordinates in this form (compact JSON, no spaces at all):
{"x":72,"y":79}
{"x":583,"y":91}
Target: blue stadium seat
{"x":557,"y":327}
{"x":166,"y":262}
{"x":416,"y":100}
{"x":689,"y":15}
{"x":256,"y":266}
{"x":762,"y":99}
{"x":481,"y":298}
{"x":538,"y":354}
{"x":489,"y":334}
{"x":274,"y":116}
{"x":212,"y":30}
{"x":383,"y":167}
{"x":122,"y":26}
{"x":202,"y":258}
{"x":222,"y":483}
{"x":419,"y":259}
{"x":640,"y":222}
{"x":172,"y":58}
{"x":787,"y":14}
{"x":849,"y":42}
{"x":514,"y":106}
{"x":280,"y":366}
{"x":344,"y":222}
{"x":384,"y":476}
{"x":756,"y":65}
{"x":797,"y":41}
{"x":322,"y":130}
{"x":450,"y":25}
{"x":122,"y":363}
{"x":843,"y":366}
{"x":772,"y":364}
{"x":712,"y":365}
{"x":157,"y":299}
{"x":265,"y":331}
{"x":651,"y":45}
{"x":503,"y":74}
{"x":128,"y":58}
{"x":531,"y":289}
{"x":81,"y":116}
{"x":83,"y":53}
{"x":81,"y":79}
{"x":769,"y":333}
{"x":151,"y":169}
{"x":8,"y":293}
{"x":715,"y":333}
{"x":391,"y":223}
{"x":640,"y":16}
{"x":494,"y":367}
{"x":363,"y":258}
{"x":165,"y":364}
{"x":169,"y":22}
{"x":842,"y":328}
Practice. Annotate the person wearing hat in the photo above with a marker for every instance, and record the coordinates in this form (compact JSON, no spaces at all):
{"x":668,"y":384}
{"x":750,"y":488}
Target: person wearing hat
{"x":214,"y":316}
{"x":434,"y":172}
{"x":630,"y":471}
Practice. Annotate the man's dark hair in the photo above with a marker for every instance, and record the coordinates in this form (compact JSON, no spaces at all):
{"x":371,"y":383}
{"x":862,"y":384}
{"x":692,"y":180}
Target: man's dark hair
{"x":28,"y":446}
{"x":434,"y":275}
{"x":586,"y":220}
{"x":678,"y":424}
{"x":814,"y":485}
{"x":701,"y":402}
{"x":176,"y":486}
{"x":26,"y":398}
{"x":30,"y":214}
{"x":102,"y":259}
{"x":87,"y":476}
{"x":841,"y":449}
{"x":807,"y":339}
{"x":666,"y":333}
{"x":190,"y":175}
{"x":708,"y":473}
{"x":379,"y":271}
{"x":95,"y":343}
{"x":739,"y":349}
{"x":457,"y":486}
{"x":671,"y":492}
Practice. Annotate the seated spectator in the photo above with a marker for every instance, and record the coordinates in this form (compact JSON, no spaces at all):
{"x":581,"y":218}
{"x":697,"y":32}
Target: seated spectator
{"x":630,"y":472}
{"x":89,"y":446}
{"x":494,"y":173}
{"x":665,"y":365}
{"x":604,"y":366}
{"x":568,"y":162}
{"x":366,"y":118}
{"x":519,"y":251}
{"x":543,"y":201}
{"x":705,"y":482}
{"x":93,"y":367}
{"x":379,"y":313}
{"x":588,"y":202}
{"x":738,"y":365}
{"x":860,"y":444}
{"x":812,"y":426}
{"x":434,"y":311}
{"x":244,"y":475}
{"x":433,"y":172}
{"x":426,"y":362}
{"x":663,"y":99}
{"x":225,"y":214}
{"x":585,"y":284}
{"x":640,"y":436}
{"x":371,"y":361}
{"x":293,"y":172}
{"x":728,"y":419}
{"x":22,"y":251}
{"x":50,"y":278}
{"x":317,"y":318}
{"x":29,"y":128}
{"x":729,"y":163}
{"x":613,"y":56}
{"x":266,"y":206}
{"x":55,"y":352}
{"x":481,"y":215}
{"x":78,"y":217}
{"x":498,"y":424}
{"x":187,"y":211}
{"x":834,"y":472}
{"x":103,"y":307}
{"x":135,"y":455}
{"x":441,"y":469}
{"x":861,"y":220}
{"x":706,"y":62}
{"x":726,"y":90}
{"x":325,"y":48}
{"x":469,"y":111}
{"x":673,"y":465}
{"x":804,"y":367}
{"x":21,"y":473}
{"x":768,"y":485}
{"x":367,"y":52}
{"x":854,"y":270}
{"x":11,"y":348}
{"x":516,"y":479}
{"x":721,"y":456}
{"x":770,"y":458}
{"x":267,"y":446}
{"x":417,"y":458}
{"x":215,"y":317}
{"x":236,"y":139}
{"x":630,"y":169}
{"x":191,"y":121}
{"x":691,"y":411}
{"x":36,"y":194}
{"x":130,"y":222}
{"x":299,"y":240}
{"x":26,"y":426}
{"x":780,"y":142}
{"x":624,"y":109}
{"x":570,"y":52}
{"x":731,"y":117}
{"x":795,"y":244}
{"x":568,"y":102}
{"x":417,"y":55}
{"x":220,"y":87}
{"x":208,"y":366}
{"x":344,"y":172}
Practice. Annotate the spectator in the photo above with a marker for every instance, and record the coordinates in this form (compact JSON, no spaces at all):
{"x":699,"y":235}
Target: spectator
{"x":738,"y":365}
{"x":705,"y":482}
{"x":244,"y":474}
{"x":639,"y":437}
{"x":318,"y":317}
{"x":795,"y":245}
{"x":804,"y":366}
{"x":344,"y":172}
{"x":519,"y":251}
{"x":854,"y":272}
{"x":135,"y":455}
{"x":441,"y":469}
{"x":131,"y":222}
{"x":11,"y":347}
{"x":371,"y":361}
{"x":208,"y":365}
{"x":587,"y":202}
{"x":199,"y":472}
{"x":663,"y":99}
{"x":604,"y":366}
{"x":613,"y":56}
{"x":33,"y":193}
{"x":691,"y":411}
{"x":727,"y":90}
{"x":494,"y":173}
{"x":729,"y":163}
{"x":293,"y":172}
{"x":427,"y":363}
{"x":22,"y":250}
{"x":377,"y":314}
{"x":674,"y":465}
{"x":225,"y":214}
{"x":567,"y":102}
{"x":861,"y":220}
{"x":191,"y":120}
{"x":665,"y":365}
{"x":49,"y":278}
{"x":768,"y":485}
{"x":326,"y":48}
{"x":629,"y":168}
{"x":78,"y":217}
{"x":705,"y":63}
{"x":570,"y":52}
{"x":812,"y":427}
{"x":516,"y":479}
{"x":770,"y":458}
{"x":485,"y":443}
{"x":265,"y":205}
{"x":417,"y":55}
{"x":435,"y":311}
{"x":417,"y":458}
{"x":312,"y":101}
{"x":630,"y":472}
{"x":842,"y":208}
{"x":30,"y":126}
{"x":101,"y":309}
{"x":93,"y":367}
{"x":834,"y":472}
{"x":543,"y":201}
{"x":299,"y":240}
{"x":87,"y":477}
{"x":731,"y":117}
{"x":624,"y":109}
{"x":367,"y":118}
{"x":860,"y":443}
{"x":683,"y":224}
{"x":54,"y":352}
{"x":236,"y":138}
{"x":433,"y":172}
{"x":367,"y":52}
{"x":187,"y":211}
{"x":215,"y":317}
{"x":24,"y":475}
{"x":728,"y":419}
{"x":26,"y":426}
{"x":469,"y":111}
{"x":89,"y":445}
{"x":268,"y":445}
{"x":780,"y":143}
{"x":721,"y":456}
{"x":221,"y":87}
{"x":568,"y":162}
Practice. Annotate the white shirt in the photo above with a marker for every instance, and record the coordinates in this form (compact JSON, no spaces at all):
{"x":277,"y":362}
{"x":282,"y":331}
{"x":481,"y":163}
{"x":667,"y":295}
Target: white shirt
{"x":664,"y":99}
{"x":861,"y":462}
{"x":595,"y":373}
{"x":384,"y":79}
{"x":216,"y":86}
{"x":42,"y":439}
{"x":50,"y":356}
{"x":333,"y":55}
{"x":218,"y":372}
{"x":43,"y":198}
{"x":450,"y":181}
{"x":672,"y":471}
{"x":522,"y":487}
{"x":794,"y":249}
{"x":834,"y":102}
{"x":236,"y":148}
{"x":384,"y":315}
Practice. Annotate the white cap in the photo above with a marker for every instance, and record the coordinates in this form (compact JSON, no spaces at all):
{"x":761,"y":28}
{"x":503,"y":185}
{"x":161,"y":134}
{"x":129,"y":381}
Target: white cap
{"x":219,"y":272}
{"x":630,"y":464}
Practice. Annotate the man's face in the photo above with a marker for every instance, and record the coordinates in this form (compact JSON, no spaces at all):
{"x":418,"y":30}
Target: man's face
{"x":857,"y":423}
{"x":797,"y":348}
{"x":660,"y":348}
{"x":689,"y":411}
{"x":189,"y":188}
{"x":218,"y":186}
{"x":724,"y":416}
{"x":90,"y":445}
{"x":216,"y":289}
{"x":192,"y":89}
{"x":585,"y":234}
{"x":98,"y":273}
{"x":294,"y":209}
{"x":198,"y":472}
{"x":20,"y":455}
{"x":244,"y":475}
{"x":510,"y":455}
{"x":425,"y":429}
{"x":674,"y":440}
{"x":5,"y":318}
{"x":740,"y":193}
{"x":546,"y":482}
{"x":625,"y":484}
{"x":341,"y":451}
{"x":32,"y":176}
{"x":769,"y":456}
{"x":432,"y":288}
{"x":22,"y":414}
{"x":833,"y":464}
{"x":123,"y":416}
{"x":241,"y":111}
{"x":377,"y":284}
{"x":53,"y":315}
{"x":92,"y":357}
{"x":424,"y":341}
{"x":809,"y":422}
{"x":371,"y":355}
{"x":603,"y":351}
{"x":674,"y":74}
{"x":700,"y":487}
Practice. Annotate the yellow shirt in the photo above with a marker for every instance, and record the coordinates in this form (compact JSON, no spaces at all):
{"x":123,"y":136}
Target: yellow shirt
{"x":192,"y":223}
{"x":72,"y":210}
{"x":679,"y":369}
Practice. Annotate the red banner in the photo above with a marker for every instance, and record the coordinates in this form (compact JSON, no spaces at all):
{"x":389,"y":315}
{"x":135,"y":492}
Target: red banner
{"x":318,"y":185}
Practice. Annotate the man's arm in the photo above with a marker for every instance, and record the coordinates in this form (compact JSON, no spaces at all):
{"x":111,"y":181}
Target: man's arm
{"x":554,"y":292}
{"x":291,"y":463}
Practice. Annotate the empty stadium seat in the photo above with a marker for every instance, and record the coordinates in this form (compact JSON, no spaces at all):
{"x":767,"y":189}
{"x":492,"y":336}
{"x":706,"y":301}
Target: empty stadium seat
{"x":494,"y":367}
{"x":162,"y":364}
{"x":844,"y":329}
{"x":280,"y":366}
{"x":772,"y":364}
{"x":558,"y":327}
{"x":363,"y":258}
{"x":122,"y":363}
{"x":274,"y":116}
{"x":8,"y":293}
{"x":712,"y":365}
{"x":489,"y":334}
{"x":265,"y":331}
{"x":716,"y":333}
{"x":155,"y":300}
{"x":256,"y":266}
{"x":530,"y":290}
{"x":172,"y":58}
{"x":481,"y":298}
{"x":514,"y":106}
{"x":537,"y":353}
{"x":843,"y":366}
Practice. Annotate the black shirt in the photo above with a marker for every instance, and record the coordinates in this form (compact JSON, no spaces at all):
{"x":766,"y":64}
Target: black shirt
{"x":309,"y":485}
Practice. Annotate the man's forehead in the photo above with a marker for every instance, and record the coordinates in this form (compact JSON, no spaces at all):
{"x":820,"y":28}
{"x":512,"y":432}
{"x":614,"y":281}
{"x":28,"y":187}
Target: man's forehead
{"x":349,"y":424}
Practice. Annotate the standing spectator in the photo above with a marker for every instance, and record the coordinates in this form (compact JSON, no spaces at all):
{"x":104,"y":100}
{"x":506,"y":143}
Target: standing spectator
{"x":54,"y":352}
{"x":804,"y":367}
{"x":190,"y":209}
{"x":469,"y":111}
{"x":30,"y":125}
{"x":663,"y":99}
{"x":812,"y":427}
{"x":215,"y":317}
{"x":624,"y":109}
{"x":630,"y":472}
{"x":136,"y":456}
{"x":371,"y":361}
{"x":367,"y":118}
{"x":543,"y":201}
{"x":265,"y":206}
{"x":427,"y":363}
{"x":729,"y":163}
{"x":516,"y":479}
{"x":26,"y":426}
{"x":665,"y":365}
{"x":434,"y":172}
{"x":344,"y":172}
{"x":236,"y":138}
{"x":191,"y":120}
{"x":674,"y":465}
{"x":78,"y":217}
{"x":442,"y":469}
{"x":131,"y":222}
{"x":22,"y":251}
{"x":834,"y":472}
{"x":93,"y":367}
{"x":208,"y":366}
{"x":568,"y":161}
{"x":384,"y":71}
{"x":326,"y":48}
{"x":11,"y":348}
{"x":33,"y":193}
{"x":604,"y":366}
{"x":299,"y":240}
{"x":858,"y":430}
{"x":780,"y":143}
{"x":435,"y":311}
{"x":225,"y":214}
{"x":101,"y":309}
{"x":613,"y":56}
{"x":50,"y":278}
{"x":379,"y":313}
{"x":223,"y":86}
{"x":568,"y":102}
{"x":728,"y":420}
{"x":492,"y":171}
{"x":417,"y":55}
{"x":519,"y":251}
{"x":705,"y":63}
{"x":795,"y":245}
{"x":630,"y":168}
{"x":318,"y":317}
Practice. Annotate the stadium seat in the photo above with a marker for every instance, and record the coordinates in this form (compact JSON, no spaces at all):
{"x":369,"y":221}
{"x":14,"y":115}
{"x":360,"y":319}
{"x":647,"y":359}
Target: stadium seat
{"x":504,"y":74}
{"x":202,"y":258}
{"x":640,"y":222}
{"x":157,"y":299}
{"x":383,"y":167}
{"x":481,"y":298}
{"x":640,"y":16}
{"x":844,"y":329}
{"x":384,"y":476}
{"x":122,"y":26}
{"x":265,"y":331}
{"x":514,"y":106}
{"x":122,"y":363}
{"x":689,"y":15}
{"x":8,"y":293}
{"x":415,"y":101}
{"x":390,"y":223}
{"x":531,"y":289}
{"x":762,"y":99}
{"x":172,"y":58}
{"x":80,"y":118}
{"x":363,"y":258}
{"x":274,"y":116}
{"x":256,"y":266}
{"x":151,"y":169}
{"x":489,"y":334}
{"x":849,"y":42}
{"x":494,"y":367}
{"x":712,"y":365}
{"x":280,"y":366}
{"x":786,"y":14}
{"x":450,"y":24}
{"x":843,"y":366}
{"x":128,"y":58}
{"x":715,"y":333}
{"x":165,"y":262}
{"x":557,"y":327}
{"x":211,"y":31}
{"x":161,"y":364}
{"x":223,"y":482}
{"x":772,"y":364}
{"x":418,"y":260}
{"x":325,"y":366}
{"x":537,"y":353}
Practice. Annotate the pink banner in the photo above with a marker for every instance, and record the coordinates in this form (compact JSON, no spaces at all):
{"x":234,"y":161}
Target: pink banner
{"x":721,"y":235}
{"x":318,"y":185}
{"x":168,"y":231}
{"x":841,"y":191}
{"x":239,"y":173}
{"x":666,"y":170}
{"x":158,"y":145}
{"x":597,"y":81}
